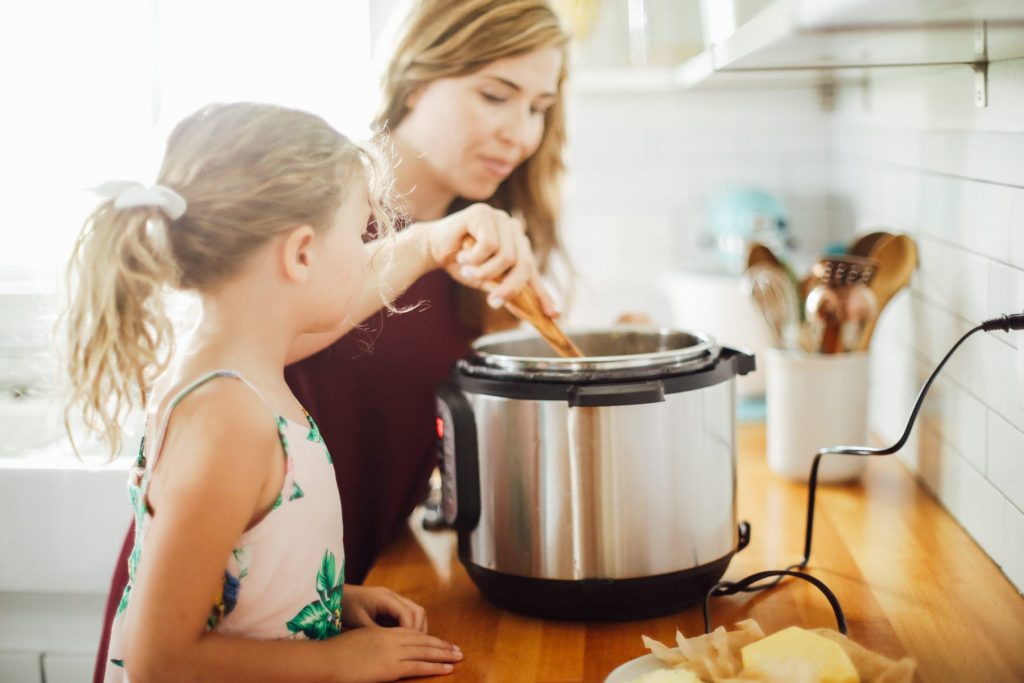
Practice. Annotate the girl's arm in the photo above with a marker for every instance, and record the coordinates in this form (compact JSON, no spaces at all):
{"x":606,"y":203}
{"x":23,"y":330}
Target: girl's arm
{"x":502,"y":253}
{"x":218,"y":474}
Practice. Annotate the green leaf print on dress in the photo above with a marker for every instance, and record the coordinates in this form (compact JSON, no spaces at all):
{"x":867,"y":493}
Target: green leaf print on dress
{"x":321,"y":618}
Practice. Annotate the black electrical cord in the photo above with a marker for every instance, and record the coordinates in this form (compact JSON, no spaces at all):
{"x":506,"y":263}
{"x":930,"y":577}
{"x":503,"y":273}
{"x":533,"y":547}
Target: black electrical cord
{"x":753,"y":582}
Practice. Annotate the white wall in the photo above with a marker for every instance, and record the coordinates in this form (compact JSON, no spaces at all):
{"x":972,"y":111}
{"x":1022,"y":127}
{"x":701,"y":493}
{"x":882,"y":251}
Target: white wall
{"x":641,"y":167}
{"x":912,"y":152}
{"x":908,"y":151}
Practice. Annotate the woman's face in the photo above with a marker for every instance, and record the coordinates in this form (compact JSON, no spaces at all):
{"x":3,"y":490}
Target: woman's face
{"x":472,"y":131}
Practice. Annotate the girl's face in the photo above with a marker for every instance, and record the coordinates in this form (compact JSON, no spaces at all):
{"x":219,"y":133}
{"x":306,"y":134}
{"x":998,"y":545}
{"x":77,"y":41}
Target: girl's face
{"x":343,"y":260}
{"x":473,"y":131}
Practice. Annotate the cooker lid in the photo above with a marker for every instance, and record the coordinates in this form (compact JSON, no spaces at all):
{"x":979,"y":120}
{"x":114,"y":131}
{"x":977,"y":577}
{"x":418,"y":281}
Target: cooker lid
{"x":633,"y":350}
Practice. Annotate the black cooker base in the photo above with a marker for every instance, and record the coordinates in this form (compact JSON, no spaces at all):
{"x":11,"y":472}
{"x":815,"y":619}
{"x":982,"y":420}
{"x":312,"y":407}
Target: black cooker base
{"x":599,"y":599}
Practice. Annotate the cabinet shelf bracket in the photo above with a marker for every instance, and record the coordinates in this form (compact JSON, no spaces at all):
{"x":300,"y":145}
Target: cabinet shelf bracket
{"x":980,"y":65}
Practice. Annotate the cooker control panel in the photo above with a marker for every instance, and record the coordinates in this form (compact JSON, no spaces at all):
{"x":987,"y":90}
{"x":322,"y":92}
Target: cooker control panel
{"x":446,"y":444}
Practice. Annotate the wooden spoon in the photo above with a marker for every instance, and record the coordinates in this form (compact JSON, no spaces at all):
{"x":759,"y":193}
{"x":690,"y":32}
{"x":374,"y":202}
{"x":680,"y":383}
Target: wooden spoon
{"x":865,"y":244}
{"x":897,"y":259}
{"x":760,"y":255}
{"x":526,"y":306}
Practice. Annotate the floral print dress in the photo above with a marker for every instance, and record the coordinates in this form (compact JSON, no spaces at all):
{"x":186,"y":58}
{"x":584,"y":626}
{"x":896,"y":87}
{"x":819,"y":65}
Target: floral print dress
{"x":285,"y":576}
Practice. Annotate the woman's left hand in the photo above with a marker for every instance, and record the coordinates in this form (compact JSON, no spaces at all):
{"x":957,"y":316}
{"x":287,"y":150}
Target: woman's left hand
{"x":500,"y":260}
{"x":376,"y":606}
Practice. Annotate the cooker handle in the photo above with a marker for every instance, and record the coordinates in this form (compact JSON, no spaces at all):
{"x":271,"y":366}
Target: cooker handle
{"x":743,"y":360}
{"x":460,"y":468}
{"x":593,"y":396}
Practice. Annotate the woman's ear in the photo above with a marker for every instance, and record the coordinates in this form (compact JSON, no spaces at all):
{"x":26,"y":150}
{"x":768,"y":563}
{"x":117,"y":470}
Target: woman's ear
{"x":297,"y":253}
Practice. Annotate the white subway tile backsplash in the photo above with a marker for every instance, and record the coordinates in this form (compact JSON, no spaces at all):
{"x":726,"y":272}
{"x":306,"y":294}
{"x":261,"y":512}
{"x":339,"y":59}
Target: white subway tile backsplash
{"x":985,"y":223}
{"x":939,"y":468}
{"x":67,"y":668}
{"x":661,"y":189}
{"x":962,"y":490}
{"x":954,"y":279}
{"x":938,"y":330}
{"x":41,"y":622}
{"x":1006,"y":295}
{"x":957,"y":416}
{"x":968,"y":214}
{"x":916,"y":155}
{"x":980,"y":508}
{"x":909,"y":152}
{"x":1006,"y":459}
{"x":978,"y":155}
{"x":808,"y":180}
{"x":894,"y":386}
{"x":1015,"y":215}
{"x":1011,"y":556}
{"x":79,"y":519}
{"x":993,"y":377}
{"x":895,"y":327}
{"x":20,"y":667}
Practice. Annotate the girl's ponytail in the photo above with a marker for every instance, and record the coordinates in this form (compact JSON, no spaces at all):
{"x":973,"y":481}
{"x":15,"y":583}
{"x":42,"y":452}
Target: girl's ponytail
{"x":249,"y":172}
{"x":119,"y":336}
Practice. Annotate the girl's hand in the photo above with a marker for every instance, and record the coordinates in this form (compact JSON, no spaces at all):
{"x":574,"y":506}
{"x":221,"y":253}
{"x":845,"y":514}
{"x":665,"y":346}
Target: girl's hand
{"x":372,"y":654}
{"x":366,"y":606}
{"x":502,"y":254}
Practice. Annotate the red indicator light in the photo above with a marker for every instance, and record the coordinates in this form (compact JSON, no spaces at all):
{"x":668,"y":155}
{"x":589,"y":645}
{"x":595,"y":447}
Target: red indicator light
{"x":440,"y":428}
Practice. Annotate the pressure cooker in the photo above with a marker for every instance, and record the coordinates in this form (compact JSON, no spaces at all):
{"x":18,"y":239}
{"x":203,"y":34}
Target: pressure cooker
{"x":601,"y":487}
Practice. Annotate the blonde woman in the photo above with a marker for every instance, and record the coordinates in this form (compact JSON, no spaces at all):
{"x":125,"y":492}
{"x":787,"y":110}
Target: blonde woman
{"x":473,"y":105}
{"x":237,"y":568}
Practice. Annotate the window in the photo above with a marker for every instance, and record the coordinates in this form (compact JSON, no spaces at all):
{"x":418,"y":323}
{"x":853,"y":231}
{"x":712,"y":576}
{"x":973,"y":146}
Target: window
{"x":90,"y":92}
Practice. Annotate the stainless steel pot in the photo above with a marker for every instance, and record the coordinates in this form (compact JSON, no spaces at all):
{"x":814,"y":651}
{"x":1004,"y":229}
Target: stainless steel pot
{"x":601,"y":487}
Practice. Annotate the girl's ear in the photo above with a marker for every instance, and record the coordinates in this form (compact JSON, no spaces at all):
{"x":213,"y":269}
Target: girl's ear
{"x":297,"y":253}
{"x":413,"y":97}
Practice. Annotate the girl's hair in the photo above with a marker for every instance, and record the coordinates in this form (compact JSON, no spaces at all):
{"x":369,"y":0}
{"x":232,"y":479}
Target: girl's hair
{"x":447,"y":38}
{"x":248,"y":172}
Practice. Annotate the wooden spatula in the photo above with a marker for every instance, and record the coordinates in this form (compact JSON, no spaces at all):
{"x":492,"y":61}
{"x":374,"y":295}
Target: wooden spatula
{"x":527,"y":307}
{"x":897,"y":259}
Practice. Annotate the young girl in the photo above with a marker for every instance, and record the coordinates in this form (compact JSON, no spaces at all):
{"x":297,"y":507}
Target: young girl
{"x":238,"y":568}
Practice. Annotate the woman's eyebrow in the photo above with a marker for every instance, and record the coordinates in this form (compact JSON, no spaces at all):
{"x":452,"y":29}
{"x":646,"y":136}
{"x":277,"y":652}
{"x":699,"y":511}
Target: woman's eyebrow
{"x":515,"y":86}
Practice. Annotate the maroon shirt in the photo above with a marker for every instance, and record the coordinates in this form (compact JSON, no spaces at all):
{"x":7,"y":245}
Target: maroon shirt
{"x":375,"y":410}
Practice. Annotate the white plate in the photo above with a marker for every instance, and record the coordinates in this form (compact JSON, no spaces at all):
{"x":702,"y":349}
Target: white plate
{"x":634,"y":668}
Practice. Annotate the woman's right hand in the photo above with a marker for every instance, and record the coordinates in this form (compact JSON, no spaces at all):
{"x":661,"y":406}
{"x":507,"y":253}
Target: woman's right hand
{"x":500,"y":260}
{"x":373,"y":654}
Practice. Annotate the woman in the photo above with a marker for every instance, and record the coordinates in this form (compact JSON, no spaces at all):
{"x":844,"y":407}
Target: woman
{"x":473,"y":105}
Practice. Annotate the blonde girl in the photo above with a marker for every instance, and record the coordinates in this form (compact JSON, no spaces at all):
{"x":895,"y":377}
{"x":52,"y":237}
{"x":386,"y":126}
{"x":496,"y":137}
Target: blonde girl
{"x":238,"y":569}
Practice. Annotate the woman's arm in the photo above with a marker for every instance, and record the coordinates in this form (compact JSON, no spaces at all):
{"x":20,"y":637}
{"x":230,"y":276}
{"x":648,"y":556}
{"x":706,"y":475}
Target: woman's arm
{"x":501,"y":253}
{"x":217,"y":475}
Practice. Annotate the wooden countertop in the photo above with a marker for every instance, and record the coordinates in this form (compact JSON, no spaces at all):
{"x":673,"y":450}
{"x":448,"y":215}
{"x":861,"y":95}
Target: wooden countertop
{"x":910,"y":580}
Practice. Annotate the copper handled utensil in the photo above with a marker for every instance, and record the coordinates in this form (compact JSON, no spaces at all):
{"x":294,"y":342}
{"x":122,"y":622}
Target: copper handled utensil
{"x":842,"y":304}
{"x":526,"y":306}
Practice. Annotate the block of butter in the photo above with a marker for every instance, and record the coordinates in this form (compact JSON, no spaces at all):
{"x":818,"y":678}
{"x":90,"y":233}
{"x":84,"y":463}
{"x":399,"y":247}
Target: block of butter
{"x":668,"y":676}
{"x":794,"y":643}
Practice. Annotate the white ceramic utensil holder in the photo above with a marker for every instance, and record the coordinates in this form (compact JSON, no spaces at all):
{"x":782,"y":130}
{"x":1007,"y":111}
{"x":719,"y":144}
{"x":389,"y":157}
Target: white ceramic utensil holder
{"x":815,"y":401}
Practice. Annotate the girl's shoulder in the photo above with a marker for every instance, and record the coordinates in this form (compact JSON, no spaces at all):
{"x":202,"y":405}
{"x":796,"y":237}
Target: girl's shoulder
{"x":222,"y":417}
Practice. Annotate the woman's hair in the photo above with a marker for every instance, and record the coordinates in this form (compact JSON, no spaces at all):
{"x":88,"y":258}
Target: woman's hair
{"x":248,"y":172}
{"x":448,"y":38}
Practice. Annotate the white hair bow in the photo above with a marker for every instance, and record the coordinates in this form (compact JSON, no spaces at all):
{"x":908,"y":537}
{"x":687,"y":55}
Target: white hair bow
{"x":128,"y":194}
